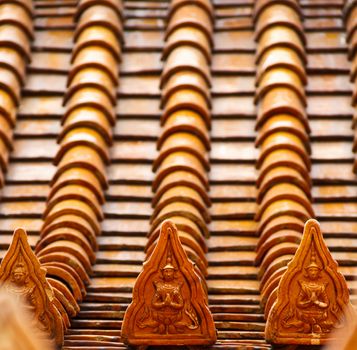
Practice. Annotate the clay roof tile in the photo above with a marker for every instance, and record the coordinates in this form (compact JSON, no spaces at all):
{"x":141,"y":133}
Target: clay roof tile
{"x":187,"y":99}
{"x":185,"y":80}
{"x":280,"y":36}
{"x":185,"y":58}
{"x":77,"y":176}
{"x":86,"y":157}
{"x":95,"y":57}
{"x":185,"y":121}
{"x":281,"y":57}
{"x":97,"y":36}
{"x":93,"y":78}
{"x":179,"y":178}
{"x":87,"y":117}
{"x":185,"y":142}
{"x":13,"y":37}
{"x":281,"y":100}
{"x":99,"y":15}
{"x":279,"y":14}
{"x":13,"y":14}
{"x":93,"y":98}
{"x":188,"y":36}
{"x":85,"y":4}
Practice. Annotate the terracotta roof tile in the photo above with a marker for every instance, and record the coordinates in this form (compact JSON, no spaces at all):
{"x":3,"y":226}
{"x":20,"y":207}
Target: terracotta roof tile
{"x":278,"y":14}
{"x":99,"y":15}
{"x":188,"y":35}
{"x":13,"y":14}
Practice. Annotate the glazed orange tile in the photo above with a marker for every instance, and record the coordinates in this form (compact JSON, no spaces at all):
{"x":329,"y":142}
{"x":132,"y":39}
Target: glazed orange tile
{"x":67,"y":259}
{"x":95,"y":56}
{"x":97,"y":36}
{"x":179,"y":178}
{"x":65,"y":275}
{"x":204,"y":4}
{"x":194,"y":60}
{"x":276,"y":238}
{"x":283,"y":57}
{"x":184,"y":194}
{"x":260,"y":5}
{"x":77,"y":192}
{"x":70,"y":248}
{"x":10,"y":83}
{"x":85,"y":4}
{"x":74,"y":274}
{"x":283,"y":140}
{"x":283,"y":123}
{"x":12,"y":36}
{"x":65,"y":222}
{"x":190,"y":15}
{"x":185,"y":79}
{"x":280,"y":36}
{"x":99,"y":15}
{"x":13,"y":60}
{"x":281,"y":100}
{"x":6,"y":132}
{"x":279,"y":14}
{"x":77,"y":176}
{"x":63,"y":294}
{"x":86,"y":137}
{"x":181,"y":209}
{"x":12,"y":13}
{"x":87,"y":117}
{"x":91,"y":77}
{"x":283,"y":158}
{"x":279,"y":223}
{"x":90,"y":97}
{"x":179,"y":161}
{"x":188,"y":35}
{"x":185,"y":121}
{"x":283,"y":174}
{"x":283,"y":207}
{"x":68,"y":234}
{"x":273,"y":260}
{"x":182,"y":142}
{"x":73,"y":207}
{"x":284,"y":191}
{"x":85,"y":157}
{"x":280,"y":77}
{"x":187,"y":99}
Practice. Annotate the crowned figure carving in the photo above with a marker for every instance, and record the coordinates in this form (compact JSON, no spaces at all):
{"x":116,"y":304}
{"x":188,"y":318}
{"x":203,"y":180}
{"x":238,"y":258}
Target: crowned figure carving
{"x":169,"y":304}
{"x":22,"y":276}
{"x":312,"y":299}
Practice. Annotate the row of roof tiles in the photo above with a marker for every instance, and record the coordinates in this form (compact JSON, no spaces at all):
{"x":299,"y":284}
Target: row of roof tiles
{"x":73,"y":212}
{"x":16,"y":33}
{"x":182,"y":164}
{"x":283,"y":138}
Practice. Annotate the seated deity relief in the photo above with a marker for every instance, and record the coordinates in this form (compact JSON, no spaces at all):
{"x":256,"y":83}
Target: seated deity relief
{"x":169,"y":304}
{"x":22,"y":277}
{"x":313,"y":298}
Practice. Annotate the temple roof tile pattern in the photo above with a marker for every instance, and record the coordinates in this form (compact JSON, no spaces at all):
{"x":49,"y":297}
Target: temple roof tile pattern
{"x":132,"y":66}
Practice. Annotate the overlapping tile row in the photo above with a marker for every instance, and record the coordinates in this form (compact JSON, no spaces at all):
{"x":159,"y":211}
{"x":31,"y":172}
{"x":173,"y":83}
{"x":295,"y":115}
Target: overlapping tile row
{"x":68,"y":239}
{"x":350,"y":12}
{"x":181,"y":182}
{"x":284,"y":184}
{"x":16,"y":34}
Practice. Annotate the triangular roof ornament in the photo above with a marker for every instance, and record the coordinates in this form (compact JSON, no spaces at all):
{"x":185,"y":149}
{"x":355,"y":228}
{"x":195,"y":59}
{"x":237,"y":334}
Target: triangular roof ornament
{"x":169,"y":304}
{"x":312,"y":298}
{"x":22,"y":276}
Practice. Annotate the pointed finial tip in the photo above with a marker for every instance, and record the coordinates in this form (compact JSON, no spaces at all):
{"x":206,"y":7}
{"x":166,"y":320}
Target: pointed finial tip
{"x":168,"y":224}
{"x":20,"y":233}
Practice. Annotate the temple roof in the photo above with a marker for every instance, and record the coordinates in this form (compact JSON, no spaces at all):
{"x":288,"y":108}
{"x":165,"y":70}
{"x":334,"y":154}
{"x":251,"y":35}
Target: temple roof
{"x":132,"y":85}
